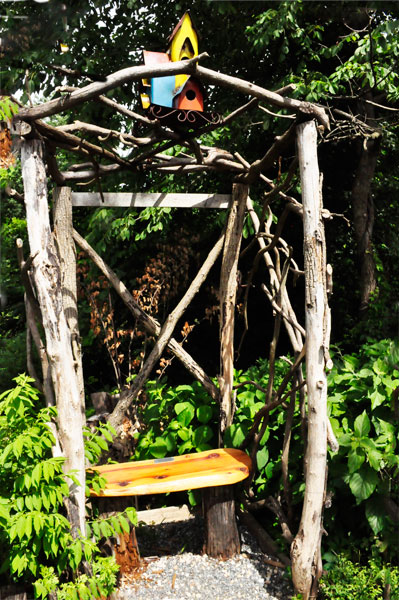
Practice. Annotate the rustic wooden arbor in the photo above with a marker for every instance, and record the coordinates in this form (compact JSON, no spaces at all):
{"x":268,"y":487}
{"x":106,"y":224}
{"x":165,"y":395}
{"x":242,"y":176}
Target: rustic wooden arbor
{"x":51,"y":289}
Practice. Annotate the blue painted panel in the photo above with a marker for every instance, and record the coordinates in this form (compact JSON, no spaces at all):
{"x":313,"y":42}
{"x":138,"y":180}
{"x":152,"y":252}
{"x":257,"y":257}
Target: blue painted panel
{"x":162,"y":90}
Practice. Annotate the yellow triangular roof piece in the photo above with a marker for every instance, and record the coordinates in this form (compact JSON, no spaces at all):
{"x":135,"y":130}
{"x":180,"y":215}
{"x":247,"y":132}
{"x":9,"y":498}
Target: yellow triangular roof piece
{"x":179,"y":49}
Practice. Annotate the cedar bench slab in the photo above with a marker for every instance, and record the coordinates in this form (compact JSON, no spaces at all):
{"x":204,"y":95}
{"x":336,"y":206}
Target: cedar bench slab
{"x":211,"y":468}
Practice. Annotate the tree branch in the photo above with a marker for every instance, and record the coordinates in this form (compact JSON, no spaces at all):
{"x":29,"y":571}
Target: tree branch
{"x":148,"y":323}
{"x":116,"y":418}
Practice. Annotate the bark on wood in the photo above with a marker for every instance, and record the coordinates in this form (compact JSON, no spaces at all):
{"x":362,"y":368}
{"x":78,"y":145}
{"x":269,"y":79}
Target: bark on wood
{"x":147,"y":322}
{"x":111,"y":82}
{"x":291,"y":323}
{"x":132,"y":200}
{"x":117,"y":79}
{"x":116,"y":419}
{"x":63,"y":229}
{"x":126,"y":551}
{"x":363,"y":220}
{"x":305,"y":547}
{"x":47,"y":278}
{"x":221,"y":534}
{"x":12,"y":592}
{"x":228,"y":289}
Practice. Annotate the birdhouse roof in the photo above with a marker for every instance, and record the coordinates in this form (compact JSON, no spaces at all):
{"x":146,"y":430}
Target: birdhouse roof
{"x":180,"y":23}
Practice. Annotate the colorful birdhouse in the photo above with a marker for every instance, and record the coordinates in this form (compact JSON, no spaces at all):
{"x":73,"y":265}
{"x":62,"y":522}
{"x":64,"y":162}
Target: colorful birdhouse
{"x":182,"y":92}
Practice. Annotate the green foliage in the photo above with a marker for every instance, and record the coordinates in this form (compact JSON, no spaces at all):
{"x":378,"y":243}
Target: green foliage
{"x":36,"y":544}
{"x":180,"y":419}
{"x":8,"y":108}
{"x":363,"y":392}
{"x":350,"y":580}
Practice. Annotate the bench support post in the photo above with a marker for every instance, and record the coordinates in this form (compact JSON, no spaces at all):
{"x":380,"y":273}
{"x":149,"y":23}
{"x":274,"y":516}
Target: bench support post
{"x":222,"y":539}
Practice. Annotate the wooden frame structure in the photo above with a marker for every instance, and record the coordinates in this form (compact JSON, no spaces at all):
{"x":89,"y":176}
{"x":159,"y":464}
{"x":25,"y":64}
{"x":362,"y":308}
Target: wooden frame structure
{"x":51,"y":263}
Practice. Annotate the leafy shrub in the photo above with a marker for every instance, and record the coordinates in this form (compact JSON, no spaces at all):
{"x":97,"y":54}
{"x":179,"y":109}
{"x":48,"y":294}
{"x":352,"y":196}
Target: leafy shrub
{"x":363,"y":397}
{"x":36,"y":544}
{"x":180,"y":419}
{"x":350,"y":580}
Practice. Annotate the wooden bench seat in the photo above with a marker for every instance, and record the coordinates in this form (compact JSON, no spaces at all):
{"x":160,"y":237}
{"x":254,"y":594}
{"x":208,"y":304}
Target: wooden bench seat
{"x":224,"y":466}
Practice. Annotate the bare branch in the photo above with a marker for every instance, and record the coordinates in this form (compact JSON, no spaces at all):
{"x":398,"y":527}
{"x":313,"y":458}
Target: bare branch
{"x":111,"y":82}
{"x":147,"y":322}
{"x":116,"y":418}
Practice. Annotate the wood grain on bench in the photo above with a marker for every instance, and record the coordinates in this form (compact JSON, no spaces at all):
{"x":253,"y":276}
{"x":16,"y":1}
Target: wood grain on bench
{"x":223,"y":466}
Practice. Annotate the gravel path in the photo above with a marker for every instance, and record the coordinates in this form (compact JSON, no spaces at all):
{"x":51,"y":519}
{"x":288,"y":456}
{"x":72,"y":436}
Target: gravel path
{"x":192,"y":576}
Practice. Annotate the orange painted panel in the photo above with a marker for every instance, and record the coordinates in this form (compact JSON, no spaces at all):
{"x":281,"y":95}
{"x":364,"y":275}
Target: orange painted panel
{"x":223,"y":466}
{"x":190,"y":98}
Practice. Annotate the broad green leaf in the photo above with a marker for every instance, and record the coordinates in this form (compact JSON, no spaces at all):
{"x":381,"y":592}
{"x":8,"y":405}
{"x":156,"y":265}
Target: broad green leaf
{"x":170,"y":441}
{"x":204,"y":413}
{"x":202,"y":435}
{"x":235,"y":435}
{"x":184,"y":434}
{"x":116,"y":524}
{"x":159,"y":448}
{"x":356,"y":458}
{"x":131,"y":514}
{"x":375,"y":516}
{"x":185,"y":413}
{"x":376,"y":399}
{"x":345,"y":440}
{"x":363,"y":483}
{"x":362,"y":425}
{"x":262,"y":456}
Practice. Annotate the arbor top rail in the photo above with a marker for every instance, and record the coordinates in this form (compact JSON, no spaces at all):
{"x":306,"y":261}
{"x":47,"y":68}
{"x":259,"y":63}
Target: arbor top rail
{"x":143,"y":200}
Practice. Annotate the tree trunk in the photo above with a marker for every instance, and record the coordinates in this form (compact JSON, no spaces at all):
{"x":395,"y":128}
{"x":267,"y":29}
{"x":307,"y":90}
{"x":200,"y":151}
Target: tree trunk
{"x":222,"y":539}
{"x":63,"y":230}
{"x":47,"y":280}
{"x":363,"y":220}
{"x":306,"y":545}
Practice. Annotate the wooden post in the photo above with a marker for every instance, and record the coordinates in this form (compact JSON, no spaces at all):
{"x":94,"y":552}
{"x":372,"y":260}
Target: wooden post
{"x":221,"y":533}
{"x":63,"y":234}
{"x":305,"y":549}
{"x":47,"y":281}
{"x":228,"y":289}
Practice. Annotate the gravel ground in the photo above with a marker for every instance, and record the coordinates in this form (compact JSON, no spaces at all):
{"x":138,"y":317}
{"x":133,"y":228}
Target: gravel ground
{"x":189,"y":575}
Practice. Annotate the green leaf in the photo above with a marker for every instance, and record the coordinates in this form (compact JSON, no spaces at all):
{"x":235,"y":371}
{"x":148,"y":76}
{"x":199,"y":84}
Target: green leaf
{"x":362,"y":425}
{"x":131,"y":514}
{"x":124,"y":524}
{"x":363,"y":483}
{"x":159,"y":448}
{"x":262,"y":456}
{"x":204,"y":413}
{"x":184,"y":434}
{"x":375,"y":515}
{"x":376,"y":399}
{"x":356,"y":458}
{"x":116,"y":525}
{"x":202,"y":435}
{"x":235,"y":434}
{"x":185,"y":413}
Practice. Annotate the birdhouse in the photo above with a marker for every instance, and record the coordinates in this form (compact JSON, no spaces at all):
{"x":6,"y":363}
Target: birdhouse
{"x":178,"y":91}
{"x":190,"y":98}
{"x":182,"y":92}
